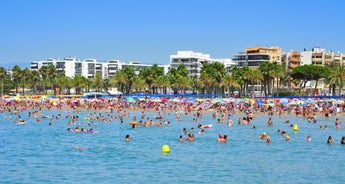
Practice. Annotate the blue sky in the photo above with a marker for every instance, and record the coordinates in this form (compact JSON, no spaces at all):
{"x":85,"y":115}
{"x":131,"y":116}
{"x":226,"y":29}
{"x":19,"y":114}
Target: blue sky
{"x":152,"y":30}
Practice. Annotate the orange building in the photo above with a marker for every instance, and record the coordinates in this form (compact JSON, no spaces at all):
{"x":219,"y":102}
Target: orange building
{"x":255,"y":56}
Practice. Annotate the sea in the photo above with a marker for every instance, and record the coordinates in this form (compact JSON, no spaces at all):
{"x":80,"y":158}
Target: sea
{"x":43,"y":153}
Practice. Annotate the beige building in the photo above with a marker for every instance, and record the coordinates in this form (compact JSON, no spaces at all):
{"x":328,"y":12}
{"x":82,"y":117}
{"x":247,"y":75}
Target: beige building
{"x":255,"y":56}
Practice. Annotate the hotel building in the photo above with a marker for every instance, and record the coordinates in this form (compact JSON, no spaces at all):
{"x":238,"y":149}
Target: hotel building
{"x":193,"y":61}
{"x":88,"y":68}
{"x":255,"y":56}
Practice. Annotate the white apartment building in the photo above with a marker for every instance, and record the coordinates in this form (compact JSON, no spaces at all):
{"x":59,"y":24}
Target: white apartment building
{"x":88,"y":68}
{"x":193,"y":61}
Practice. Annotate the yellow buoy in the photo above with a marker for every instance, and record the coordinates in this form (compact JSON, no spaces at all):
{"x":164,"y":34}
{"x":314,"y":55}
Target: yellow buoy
{"x":295,"y":127}
{"x":165,"y":149}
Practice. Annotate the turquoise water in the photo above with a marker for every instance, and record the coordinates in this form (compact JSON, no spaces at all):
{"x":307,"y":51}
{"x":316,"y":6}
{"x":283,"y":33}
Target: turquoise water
{"x":39,"y":153}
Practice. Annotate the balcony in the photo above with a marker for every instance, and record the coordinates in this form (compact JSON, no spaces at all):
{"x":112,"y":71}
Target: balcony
{"x":293,"y":65}
{"x":316,"y":62}
{"x":295,"y":59}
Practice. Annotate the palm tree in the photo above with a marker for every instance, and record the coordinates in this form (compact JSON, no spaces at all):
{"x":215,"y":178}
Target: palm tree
{"x":215,"y":71}
{"x":25,"y":78}
{"x":119,"y":80}
{"x":150,"y":75}
{"x":97,"y":82}
{"x":172,"y":75}
{"x":139,"y":84}
{"x":266,"y":69}
{"x":162,"y":83}
{"x":17,"y":75}
{"x":229,"y":82}
{"x":35,"y":78}
{"x":52,"y":77}
{"x":337,"y":77}
{"x":278,"y":73}
{"x":208,"y":82}
{"x":64,"y":83}
{"x":79,"y":82}
{"x":3,"y":74}
{"x":240,"y":78}
{"x":44,"y":74}
{"x":254,"y":76}
{"x":182,"y":84}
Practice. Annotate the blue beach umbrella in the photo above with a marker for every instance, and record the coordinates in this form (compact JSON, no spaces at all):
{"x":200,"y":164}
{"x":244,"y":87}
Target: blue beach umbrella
{"x":283,"y":101}
{"x":130,"y":99}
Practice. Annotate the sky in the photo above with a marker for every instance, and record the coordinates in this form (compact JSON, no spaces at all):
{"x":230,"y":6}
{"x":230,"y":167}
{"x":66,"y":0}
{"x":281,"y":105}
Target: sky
{"x":151,"y":30}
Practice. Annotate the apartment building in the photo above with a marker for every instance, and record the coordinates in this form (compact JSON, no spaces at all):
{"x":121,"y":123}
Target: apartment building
{"x":193,"y":61}
{"x":89,"y":68}
{"x":255,"y":56}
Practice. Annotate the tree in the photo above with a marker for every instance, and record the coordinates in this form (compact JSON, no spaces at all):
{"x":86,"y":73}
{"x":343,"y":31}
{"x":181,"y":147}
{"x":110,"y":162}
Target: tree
{"x":240,"y":78}
{"x":278,"y":73}
{"x":139,"y":84}
{"x":35,"y":79}
{"x":44,"y":74}
{"x":52,"y":77}
{"x":17,"y":75}
{"x":80,"y":82}
{"x":182,"y":84}
{"x":267,"y":69}
{"x":307,"y":73}
{"x":216,"y":71}
{"x":119,"y":81}
{"x":64,"y":83}
{"x":162,"y":83}
{"x":123,"y":79}
{"x":254,"y":76}
{"x":229,"y":82}
{"x":97,"y":82}
{"x":150,"y":75}
{"x":25,"y":78}
{"x":3,"y":74}
{"x":130,"y":76}
{"x":337,"y":77}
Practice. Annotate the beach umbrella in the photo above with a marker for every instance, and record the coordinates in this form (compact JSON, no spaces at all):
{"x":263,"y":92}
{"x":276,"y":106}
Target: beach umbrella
{"x":163,"y":99}
{"x":142,"y":99}
{"x":199,"y":99}
{"x":176,"y":100}
{"x":6,"y":100}
{"x":190,"y":100}
{"x":217,"y":100}
{"x":228,"y":100}
{"x":130,"y":99}
{"x":283,"y":101}
{"x":270,"y":104}
{"x":338,"y":101}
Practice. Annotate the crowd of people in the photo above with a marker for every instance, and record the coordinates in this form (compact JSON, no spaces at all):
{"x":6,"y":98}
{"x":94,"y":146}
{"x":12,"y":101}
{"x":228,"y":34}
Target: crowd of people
{"x":222,"y":112}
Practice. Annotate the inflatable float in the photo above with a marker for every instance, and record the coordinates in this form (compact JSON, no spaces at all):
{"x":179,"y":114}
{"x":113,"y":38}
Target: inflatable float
{"x":206,"y":126}
{"x":21,"y":123}
{"x":133,"y":123}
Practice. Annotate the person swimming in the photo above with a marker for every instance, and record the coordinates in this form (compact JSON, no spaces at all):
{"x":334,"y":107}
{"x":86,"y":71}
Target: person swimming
{"x":128,"y":138}
{"x":330,"y":140}
{"x":343,"y":140}
{"x":337,"y":123}
{"x":308,"y":138}
{"x":222,"y":138}
{"x":181,"y":138}
{"x":263,"y":136}
{"x":287,"y":137}
{"x":79,"y":148}
{"x":190,"y":137}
